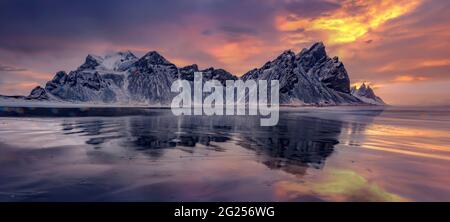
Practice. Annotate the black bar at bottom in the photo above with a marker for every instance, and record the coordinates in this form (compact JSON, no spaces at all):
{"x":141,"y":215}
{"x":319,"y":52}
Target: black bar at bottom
{"x":227,"y":211}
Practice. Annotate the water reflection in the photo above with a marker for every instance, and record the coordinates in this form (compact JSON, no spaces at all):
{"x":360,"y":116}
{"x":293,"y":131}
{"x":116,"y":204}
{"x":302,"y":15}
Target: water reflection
{"x":296,"y":143}
{"x":151,"y":155}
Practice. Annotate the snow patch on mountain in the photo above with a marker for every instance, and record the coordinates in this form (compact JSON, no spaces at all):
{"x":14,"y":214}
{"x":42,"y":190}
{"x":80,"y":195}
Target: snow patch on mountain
{"x":115,"y":62}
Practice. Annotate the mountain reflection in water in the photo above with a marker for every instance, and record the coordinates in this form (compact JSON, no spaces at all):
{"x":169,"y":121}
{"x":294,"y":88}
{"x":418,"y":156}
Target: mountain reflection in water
{"x":305,"y":142}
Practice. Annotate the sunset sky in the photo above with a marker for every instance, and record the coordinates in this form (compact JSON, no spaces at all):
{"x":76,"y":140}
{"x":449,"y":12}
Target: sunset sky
{"x":401,"y":47}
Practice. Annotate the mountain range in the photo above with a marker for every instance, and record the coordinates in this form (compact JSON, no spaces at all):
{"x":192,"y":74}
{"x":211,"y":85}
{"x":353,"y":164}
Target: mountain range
{"x":309,"y":77}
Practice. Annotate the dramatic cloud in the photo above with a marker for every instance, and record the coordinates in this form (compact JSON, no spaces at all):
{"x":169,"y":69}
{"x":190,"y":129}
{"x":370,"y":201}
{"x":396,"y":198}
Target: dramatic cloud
{"x":349,"y":21}
{"x":395,"y":45}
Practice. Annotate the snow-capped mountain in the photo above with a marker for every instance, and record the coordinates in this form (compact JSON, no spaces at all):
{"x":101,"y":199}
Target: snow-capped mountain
{"x":307,"y":78}
{"x":365,"y":93}
{"x":98,"y":79}
{"x":119,"y":61}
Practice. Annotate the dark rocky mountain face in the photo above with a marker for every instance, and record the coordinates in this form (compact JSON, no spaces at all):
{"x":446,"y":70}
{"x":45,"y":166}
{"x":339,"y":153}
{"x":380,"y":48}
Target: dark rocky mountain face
{"x":330,"y":71}
{"x":38,"y":93}
{"x":187,"y":73}
{"x":80,"y":86}
{"x":150,"y":79}
{"x":310,"y":77}
{"x":307,"y":78}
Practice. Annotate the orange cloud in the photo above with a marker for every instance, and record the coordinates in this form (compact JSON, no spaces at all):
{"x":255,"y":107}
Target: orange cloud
{"x":409,"y":64}
{"x":344,"y":25}
{"x":231,"y":53}
{"x":181,"y":62}
{"x":409,"y":78}
{"x":237,"y":53}
{"x":435,"y":63}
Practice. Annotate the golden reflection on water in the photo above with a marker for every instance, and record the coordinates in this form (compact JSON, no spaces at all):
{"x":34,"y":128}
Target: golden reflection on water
{"x":420,"y":142}
{"x":405,"y":152}
{"x":385,"y":130}
{"x":337,"y":185}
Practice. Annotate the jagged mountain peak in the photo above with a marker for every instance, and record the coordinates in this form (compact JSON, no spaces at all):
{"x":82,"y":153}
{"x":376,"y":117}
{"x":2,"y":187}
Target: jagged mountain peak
{"x":91,"y":62}
{"x":221,"y":73}
{"x":212,"y":69}
{"x":287,"y":53}
{"x":365,"y":93}
{"x":317,"y":50}
{"x":59,"y":76}
{"x":38,"y":93}
{"x":285,"y":58}
{"x":330,"y":71}
{"x":187,"y":73}
{"x":317,"y":46}
{"x":154,"y":58}
{"x":363,"y":87}
{"x":313,"y":54}
{"x":193,"y":67}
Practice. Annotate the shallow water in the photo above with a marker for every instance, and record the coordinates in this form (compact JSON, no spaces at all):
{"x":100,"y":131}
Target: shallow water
{"x":313,"y":154}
